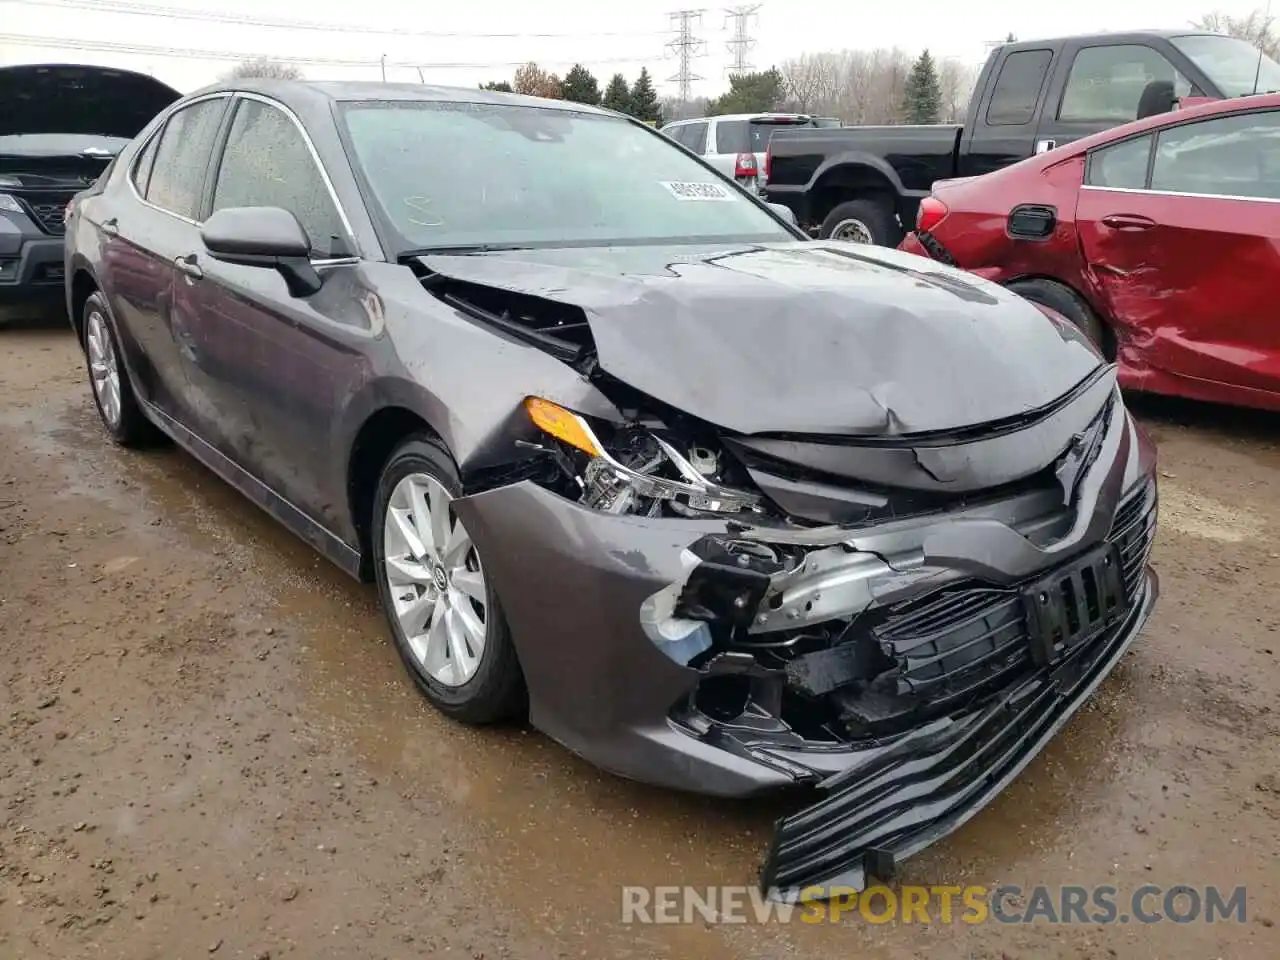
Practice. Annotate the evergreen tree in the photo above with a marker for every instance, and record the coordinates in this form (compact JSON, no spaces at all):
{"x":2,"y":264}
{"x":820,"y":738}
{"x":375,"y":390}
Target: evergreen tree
{"x":644,"y":99}
{"x":498,"y":86}
{"x":617,"y":95}
{"x":580,"y":86}
{"x":758,"y":92}
{"x":923,"y":99}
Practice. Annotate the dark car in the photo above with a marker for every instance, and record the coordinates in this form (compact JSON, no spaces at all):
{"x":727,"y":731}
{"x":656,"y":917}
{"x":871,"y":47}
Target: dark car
{"x":61,"y":125}
{"x":1159,"y":239}
{"x":864,"y":183}
{"x":715,"y":506}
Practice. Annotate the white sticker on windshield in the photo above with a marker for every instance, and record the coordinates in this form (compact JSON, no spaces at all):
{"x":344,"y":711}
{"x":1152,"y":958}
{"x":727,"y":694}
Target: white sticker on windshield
{"x":697,"y":191}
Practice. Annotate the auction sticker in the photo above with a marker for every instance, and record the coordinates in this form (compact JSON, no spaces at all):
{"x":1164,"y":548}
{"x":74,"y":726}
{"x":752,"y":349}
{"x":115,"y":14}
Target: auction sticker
{"x":697,"y":191}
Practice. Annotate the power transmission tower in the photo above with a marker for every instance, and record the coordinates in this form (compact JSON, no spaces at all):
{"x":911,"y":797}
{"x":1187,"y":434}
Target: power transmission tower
{"x":686,"y":46}
{"x":742,"y":41}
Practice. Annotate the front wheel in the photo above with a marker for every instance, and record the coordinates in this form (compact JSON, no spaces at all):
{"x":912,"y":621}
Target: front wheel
{"x":862,"y":221}
{"x":442,"y":608}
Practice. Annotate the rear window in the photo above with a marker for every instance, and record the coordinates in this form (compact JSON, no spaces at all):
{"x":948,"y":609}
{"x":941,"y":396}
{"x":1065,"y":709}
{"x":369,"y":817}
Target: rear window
{"x":751,"y":136}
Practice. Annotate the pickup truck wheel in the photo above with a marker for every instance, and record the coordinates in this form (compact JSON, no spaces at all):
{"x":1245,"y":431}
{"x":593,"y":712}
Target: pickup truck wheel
{"x":1067,"y":302}
{"x":862,"y":221}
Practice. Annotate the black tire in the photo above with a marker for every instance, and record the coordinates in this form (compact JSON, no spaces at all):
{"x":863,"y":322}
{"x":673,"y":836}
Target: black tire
{"x":876,"y":216}
{"x":130,"y":428}
{"x":1071,"y":305}
{"x":496,"y":691}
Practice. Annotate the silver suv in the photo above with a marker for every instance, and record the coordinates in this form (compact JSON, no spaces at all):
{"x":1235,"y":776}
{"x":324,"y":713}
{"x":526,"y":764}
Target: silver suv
{"x":736,"y":143}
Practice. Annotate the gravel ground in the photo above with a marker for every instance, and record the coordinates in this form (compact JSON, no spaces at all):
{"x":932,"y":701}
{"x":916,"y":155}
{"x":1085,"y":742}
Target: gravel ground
{"x":208,"y":747}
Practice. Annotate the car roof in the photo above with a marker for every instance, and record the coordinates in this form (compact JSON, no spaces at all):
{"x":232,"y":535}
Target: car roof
{"x":1121,"y":36}
{"x":314,"y":92}
{"x":743,"y":116}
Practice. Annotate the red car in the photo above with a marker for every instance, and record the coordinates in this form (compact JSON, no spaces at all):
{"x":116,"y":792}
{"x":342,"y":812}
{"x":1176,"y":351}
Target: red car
{"x":1160,"y":239}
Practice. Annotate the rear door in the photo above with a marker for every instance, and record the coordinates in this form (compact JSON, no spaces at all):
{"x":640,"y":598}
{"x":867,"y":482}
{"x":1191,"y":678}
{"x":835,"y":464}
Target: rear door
{"x":1003,"y":131}
{"x":146,"y":230}
{"x":1181,"y":228}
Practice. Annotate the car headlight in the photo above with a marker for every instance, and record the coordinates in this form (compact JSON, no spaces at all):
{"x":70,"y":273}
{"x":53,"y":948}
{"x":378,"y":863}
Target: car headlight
{"x":10,"y":203}
{"x":638,"y":470}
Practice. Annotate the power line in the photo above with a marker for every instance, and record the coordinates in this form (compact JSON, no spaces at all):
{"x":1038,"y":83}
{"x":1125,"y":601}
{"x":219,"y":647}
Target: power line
{"x":742,"y":41}
{"x":107,"y":46}
{"x":686,"y":46}
{"x":217,"y":16}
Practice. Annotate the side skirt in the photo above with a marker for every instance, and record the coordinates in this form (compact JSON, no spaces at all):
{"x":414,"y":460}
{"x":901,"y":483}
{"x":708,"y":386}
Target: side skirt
{"x":328,"y":543}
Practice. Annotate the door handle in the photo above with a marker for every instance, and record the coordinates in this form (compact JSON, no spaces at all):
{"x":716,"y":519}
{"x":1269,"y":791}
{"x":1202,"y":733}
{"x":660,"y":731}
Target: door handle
{"x":1127,"y":221}
{"x":188,"y":266}
{"x":110,"y":227}
{"x":1044,"y":146}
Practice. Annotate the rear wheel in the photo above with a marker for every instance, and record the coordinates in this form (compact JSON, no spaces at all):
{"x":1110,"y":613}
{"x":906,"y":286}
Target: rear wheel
{"x":862,"y":221}
{"x":1071,"y":305}
{"x":442,"y":608}
{"x":112,"y":392}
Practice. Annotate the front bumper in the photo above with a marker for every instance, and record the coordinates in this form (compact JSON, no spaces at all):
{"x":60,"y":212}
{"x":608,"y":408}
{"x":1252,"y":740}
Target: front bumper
{"x":31,"y":263}
{"x":577,"y":586}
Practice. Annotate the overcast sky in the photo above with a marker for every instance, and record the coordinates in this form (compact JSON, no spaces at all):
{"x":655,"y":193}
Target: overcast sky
{"x":466,"y":42}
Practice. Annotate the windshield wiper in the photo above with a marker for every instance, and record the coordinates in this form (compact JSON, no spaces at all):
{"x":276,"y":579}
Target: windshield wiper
{"x":462,"y":248}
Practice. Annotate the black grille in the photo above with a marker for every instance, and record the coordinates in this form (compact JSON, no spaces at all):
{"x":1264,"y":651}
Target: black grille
{"x":48,"y":215}
{"x":949,"y":646}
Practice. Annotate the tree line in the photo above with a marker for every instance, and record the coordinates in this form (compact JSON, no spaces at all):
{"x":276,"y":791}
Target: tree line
{"x":880,"y":86}
{"x":639,"y":99}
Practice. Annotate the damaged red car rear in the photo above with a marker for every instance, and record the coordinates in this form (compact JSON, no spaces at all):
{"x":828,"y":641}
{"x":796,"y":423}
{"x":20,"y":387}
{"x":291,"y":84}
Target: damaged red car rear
{"x":1159,"y":239}
{"x":717,"y":507}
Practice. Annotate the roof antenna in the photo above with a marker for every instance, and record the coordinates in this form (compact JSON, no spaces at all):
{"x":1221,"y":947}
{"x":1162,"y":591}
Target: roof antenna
{"x":1266,"y":23}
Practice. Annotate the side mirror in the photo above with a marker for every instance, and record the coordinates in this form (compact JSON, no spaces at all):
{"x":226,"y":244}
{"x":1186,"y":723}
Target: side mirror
{"x":263,"y":237}
{"x":785,"y":212}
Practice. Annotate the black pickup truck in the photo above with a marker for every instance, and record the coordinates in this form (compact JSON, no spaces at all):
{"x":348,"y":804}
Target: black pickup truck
{"x":865,"y":183}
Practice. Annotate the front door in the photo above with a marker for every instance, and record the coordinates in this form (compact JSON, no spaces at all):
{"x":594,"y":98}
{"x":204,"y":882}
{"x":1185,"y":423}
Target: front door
{"x":270,"y":367}
{"x":1186,"y":248}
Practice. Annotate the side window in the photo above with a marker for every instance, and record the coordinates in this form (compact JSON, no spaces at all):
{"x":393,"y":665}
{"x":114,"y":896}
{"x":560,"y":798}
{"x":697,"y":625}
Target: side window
{"x":732,"y":137}
{"x":1235,"y":156}
{"x":142,"y":166}
{"x":267,"y":164}
{"x":1106,"y":83}
{"x":694,"y":136}
{"x":1013,"y":101}
{"x":1122,"y":165}
{"x":177,"y":173}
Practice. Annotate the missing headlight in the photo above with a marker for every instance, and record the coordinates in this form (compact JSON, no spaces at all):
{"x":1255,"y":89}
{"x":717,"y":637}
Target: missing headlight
{"x":643,"y":469}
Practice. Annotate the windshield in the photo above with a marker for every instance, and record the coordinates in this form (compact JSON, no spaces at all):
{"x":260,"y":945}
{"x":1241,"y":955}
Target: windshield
{"x":465,"y":174}
{"x":1233,"y":65}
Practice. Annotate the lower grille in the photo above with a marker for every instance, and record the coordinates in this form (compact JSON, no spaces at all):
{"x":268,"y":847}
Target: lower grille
{"x":947,"y":647}
{"x":934,"y":779}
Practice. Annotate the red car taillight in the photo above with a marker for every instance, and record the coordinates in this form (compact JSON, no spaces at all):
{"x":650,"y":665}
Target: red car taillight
{"x":745,"y":165}
{"x":768,"y":161}
{"x":931,"y":213}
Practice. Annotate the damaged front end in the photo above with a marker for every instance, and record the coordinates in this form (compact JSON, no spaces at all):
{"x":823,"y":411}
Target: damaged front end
{"x":901,"y":621}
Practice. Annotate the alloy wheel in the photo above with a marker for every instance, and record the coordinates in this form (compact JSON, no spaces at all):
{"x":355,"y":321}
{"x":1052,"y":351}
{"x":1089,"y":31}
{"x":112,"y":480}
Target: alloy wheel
{"x":104,"y":370}
{"x":854,"y":231}
{"x":435,"y":580}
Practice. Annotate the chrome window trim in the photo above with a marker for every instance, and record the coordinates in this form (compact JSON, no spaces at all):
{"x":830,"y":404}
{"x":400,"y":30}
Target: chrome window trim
{"x":1179,"y":193}
{"x":159,"y":132}
{"x":315,"y":157}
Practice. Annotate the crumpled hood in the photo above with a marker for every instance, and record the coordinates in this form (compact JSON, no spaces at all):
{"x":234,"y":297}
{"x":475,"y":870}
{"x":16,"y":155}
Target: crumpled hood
{"x":803,"y":337}
{"x":79,"y":98}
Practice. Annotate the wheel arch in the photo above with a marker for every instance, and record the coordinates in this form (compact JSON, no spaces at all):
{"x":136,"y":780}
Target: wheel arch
{"x":82,"y":286}
{"x":1110,"y":345}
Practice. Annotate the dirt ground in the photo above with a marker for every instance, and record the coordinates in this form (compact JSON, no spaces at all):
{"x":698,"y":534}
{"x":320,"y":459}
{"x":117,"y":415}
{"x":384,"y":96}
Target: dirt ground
{"x":208,"y":747}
